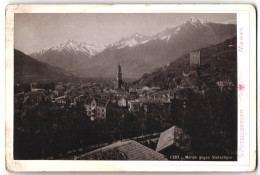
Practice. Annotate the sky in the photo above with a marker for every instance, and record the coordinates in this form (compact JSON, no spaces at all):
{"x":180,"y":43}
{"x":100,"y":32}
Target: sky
{"x":36,"y":31}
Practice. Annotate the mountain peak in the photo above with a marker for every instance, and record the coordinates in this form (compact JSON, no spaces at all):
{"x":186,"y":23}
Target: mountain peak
{"x":197,"y":20}
{"x":68,"y":44}
{"x":71,"y":41}
{"x":63,"y":53}
{"x":131,"y":41}
{"x":137,"y":35}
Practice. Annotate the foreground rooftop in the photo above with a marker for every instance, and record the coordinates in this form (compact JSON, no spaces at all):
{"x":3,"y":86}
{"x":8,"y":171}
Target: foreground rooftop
{"x":128,"y":150}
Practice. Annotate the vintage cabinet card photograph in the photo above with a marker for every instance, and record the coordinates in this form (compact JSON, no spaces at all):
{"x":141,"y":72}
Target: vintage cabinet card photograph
{"x":130,"y":88}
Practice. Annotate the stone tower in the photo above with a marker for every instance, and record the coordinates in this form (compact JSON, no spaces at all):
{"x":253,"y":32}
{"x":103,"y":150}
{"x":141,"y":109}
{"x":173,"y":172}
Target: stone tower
{"x":119,"y":77}
{"x":195,"y":58}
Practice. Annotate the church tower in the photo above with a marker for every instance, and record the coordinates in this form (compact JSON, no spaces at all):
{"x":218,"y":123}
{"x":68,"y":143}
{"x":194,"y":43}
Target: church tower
{"x":119,"y":77}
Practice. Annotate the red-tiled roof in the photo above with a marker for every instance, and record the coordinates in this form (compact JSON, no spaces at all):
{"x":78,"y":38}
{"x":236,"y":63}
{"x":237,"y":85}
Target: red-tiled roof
{"x":129,"y":150}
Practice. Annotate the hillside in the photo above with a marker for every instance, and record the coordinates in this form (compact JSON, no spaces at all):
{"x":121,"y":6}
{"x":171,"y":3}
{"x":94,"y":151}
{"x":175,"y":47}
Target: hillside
{"x":27,"y":69}
{"x":218,"y":62}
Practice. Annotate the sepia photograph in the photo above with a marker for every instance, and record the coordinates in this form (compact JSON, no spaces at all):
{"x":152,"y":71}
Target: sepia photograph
{"x":125,"y":86}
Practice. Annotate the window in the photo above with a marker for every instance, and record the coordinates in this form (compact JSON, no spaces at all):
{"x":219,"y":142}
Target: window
{"x":103,"y":115}
{"x":103,"y":110}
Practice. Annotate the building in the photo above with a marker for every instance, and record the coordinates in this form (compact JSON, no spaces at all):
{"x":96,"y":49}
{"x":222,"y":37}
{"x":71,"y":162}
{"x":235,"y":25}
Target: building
{"x":105,"y":95}
{"x":33,"y":89}
{"x":35,"y":96}
{"x":166,"y":104}
{"x":150,"y":109}
{"x":102,"y":109}
{"x":18,"y":99}
{"x":195,"y":58}
{"x":119,"y":77}
{"x":90,"y":106}
{"x":59,"y":89}
{"x":79,"y":99}
{"x":173,"y":142}
{"x":153,"y":107}
{"x":96,"y":108}
{"x":128,"y":150}
{"x":134,"y":106}
{"x":122,"y":102}
{"x":60,"y":100}
{"x":226,"y":84}
{"x":204,"y":88}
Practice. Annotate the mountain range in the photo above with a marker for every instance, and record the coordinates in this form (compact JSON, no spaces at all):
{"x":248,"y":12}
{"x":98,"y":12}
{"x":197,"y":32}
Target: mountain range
{"x":137,"y":53}
{"x":69,"y":54}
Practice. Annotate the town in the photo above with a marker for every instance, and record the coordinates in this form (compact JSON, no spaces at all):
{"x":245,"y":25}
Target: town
{"x":83,"y":117}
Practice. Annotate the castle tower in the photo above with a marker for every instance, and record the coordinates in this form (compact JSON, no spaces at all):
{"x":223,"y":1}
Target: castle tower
{"x":195,"y":58}
{"x":119,"y":77}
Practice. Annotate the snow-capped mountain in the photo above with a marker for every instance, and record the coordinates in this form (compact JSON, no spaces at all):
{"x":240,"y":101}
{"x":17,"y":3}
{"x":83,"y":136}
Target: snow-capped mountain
{"x":136,"y":38}
{"x":165,"y":35}
{"x":74,"y":46}
{"x":68,"y":54}
{"x":130,"y":41}
{"x":197,"y":23}
{"x":139,"y":54}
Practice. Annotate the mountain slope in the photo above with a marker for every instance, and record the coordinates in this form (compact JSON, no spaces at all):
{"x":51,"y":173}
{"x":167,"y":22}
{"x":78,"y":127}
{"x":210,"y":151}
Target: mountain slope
{"x":27,"y":69}
{"x":139,"y":54}
{"x":68,"y":55}
{"x":218,"y":64}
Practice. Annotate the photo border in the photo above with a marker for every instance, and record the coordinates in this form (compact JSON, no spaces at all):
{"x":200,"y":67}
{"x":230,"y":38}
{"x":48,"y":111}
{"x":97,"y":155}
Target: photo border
{"x":246,"y":18}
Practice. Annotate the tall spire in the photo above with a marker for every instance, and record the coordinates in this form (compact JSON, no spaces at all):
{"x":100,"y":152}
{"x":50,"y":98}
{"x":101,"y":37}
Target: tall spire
{"x":119,"y":77}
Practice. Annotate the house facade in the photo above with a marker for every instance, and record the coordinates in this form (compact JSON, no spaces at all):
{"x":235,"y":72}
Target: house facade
{"x":96,"y":108}
{"x":35,"y":96}
{"x":134,"y":106}
{"x":122,"y":102}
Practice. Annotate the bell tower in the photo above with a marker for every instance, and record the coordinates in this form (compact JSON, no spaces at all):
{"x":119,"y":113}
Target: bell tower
{"x":119,"y":77}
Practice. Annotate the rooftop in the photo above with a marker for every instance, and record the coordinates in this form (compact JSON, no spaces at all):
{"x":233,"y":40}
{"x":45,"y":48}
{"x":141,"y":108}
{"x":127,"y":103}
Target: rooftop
{"x":100,"y":102}
{"x":41,"y":91}
{"x":128,"y":150}
{"x":172,"y":136}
